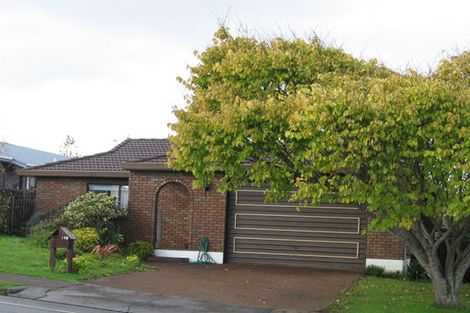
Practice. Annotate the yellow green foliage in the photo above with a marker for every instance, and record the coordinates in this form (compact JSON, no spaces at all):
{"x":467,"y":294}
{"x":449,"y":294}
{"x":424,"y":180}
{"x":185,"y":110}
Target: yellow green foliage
{"x":315,"y":120}
{"x":143,"y":249}
{"x":87,"y":238}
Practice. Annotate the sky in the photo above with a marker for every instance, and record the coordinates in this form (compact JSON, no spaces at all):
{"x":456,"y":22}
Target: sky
{"x":105,"y":70}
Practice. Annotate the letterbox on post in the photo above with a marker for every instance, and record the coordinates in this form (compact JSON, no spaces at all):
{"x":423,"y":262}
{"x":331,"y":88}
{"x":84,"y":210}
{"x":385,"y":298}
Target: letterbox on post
{"x":61,"y":238}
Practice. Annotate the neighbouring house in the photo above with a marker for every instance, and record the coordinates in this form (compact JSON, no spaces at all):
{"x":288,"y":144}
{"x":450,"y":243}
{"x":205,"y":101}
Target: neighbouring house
{"x":13,"y":157}
{"x":165,"y":210}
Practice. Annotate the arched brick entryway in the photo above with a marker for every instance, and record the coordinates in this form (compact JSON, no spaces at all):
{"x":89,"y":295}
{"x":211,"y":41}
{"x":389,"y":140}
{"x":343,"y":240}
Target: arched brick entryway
{"x":173,"y":217}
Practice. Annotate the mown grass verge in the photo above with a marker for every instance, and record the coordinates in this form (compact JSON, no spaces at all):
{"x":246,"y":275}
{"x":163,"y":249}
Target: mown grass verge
{"x":387,"y":295}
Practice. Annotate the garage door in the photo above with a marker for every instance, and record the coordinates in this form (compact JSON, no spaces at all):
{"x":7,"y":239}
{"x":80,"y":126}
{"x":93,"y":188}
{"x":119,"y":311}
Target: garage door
{"x":327,"y":236}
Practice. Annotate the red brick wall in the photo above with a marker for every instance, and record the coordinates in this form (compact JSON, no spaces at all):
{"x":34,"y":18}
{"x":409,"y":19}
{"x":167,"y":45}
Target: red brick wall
{"x":190,"y":214}
{"x":383,"y":245}
{"x":205,"y":211}
{"x":55,"y":192}
{"x":174,"y":204}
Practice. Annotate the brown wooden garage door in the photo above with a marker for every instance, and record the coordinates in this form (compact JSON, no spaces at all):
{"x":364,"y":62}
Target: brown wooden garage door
{"x":328,"y":236}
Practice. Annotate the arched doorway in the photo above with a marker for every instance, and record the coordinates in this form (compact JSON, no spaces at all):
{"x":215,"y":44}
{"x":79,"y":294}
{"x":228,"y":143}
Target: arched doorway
{"x":173,"y":217}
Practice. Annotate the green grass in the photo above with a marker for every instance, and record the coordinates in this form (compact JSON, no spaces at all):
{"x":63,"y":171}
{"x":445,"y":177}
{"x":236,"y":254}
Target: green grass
{"x":20,"y":256}
{"x":4,"y":285}
{"x":386,"y":295}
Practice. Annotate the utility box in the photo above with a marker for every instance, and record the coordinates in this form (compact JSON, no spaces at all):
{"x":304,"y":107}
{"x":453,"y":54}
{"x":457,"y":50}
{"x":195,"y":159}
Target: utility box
{"x":61,"y":238}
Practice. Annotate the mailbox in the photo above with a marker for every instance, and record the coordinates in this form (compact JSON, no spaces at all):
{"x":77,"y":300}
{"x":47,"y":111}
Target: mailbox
{"x":61,"y":238}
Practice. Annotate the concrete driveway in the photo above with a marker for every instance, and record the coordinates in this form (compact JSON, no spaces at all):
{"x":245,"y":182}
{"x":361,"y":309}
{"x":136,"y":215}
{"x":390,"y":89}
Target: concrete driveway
{"x":247,"y":285}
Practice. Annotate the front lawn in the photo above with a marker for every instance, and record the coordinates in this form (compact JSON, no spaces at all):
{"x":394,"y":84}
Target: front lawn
{"x":386,"y":295}
{"x":20,"y":256}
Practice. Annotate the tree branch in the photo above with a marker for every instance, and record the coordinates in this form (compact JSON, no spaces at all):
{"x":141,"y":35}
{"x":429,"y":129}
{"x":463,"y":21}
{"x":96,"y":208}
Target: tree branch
{"x":414,"y":245}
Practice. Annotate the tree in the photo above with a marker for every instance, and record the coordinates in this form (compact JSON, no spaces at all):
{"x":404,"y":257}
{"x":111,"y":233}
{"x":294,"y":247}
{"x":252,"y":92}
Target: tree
{"x":69,"y":147}
{"x":311,"y":118}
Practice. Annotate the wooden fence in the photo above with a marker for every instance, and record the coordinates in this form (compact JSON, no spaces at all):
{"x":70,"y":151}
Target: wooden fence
{"x":16,"y":208}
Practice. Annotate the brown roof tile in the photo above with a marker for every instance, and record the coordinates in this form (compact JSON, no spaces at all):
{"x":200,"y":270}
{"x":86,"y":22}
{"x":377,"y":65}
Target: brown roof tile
{"x":127,"y":151}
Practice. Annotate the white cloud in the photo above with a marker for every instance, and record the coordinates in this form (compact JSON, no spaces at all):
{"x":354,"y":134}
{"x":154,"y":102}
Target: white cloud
{"x":104,"y":70}
{"x":59,"y":78}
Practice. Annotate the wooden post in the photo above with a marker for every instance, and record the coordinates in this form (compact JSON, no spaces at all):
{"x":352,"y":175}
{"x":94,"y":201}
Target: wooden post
{"x":52,"y":257}
{"x":69,"y":259}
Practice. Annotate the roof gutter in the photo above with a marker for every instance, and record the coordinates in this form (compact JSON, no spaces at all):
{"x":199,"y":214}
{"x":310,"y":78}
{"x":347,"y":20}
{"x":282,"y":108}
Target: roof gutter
{"x":45,"y":173}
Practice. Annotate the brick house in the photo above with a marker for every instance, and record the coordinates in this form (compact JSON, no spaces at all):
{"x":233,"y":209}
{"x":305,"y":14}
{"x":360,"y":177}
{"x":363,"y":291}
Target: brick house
{"x":241,"y":227}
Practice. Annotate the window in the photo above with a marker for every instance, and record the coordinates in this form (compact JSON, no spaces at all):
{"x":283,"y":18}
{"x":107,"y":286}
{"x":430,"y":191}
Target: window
{"x":121,"y":192}
{"x":30,"y":182}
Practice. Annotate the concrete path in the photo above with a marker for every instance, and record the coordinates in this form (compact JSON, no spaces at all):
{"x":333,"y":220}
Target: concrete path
{"x":118,"y":300}
{"x":18,"y":305}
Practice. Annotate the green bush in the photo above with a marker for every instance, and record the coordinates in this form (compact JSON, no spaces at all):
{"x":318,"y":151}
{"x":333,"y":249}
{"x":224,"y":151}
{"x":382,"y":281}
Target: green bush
{"x":40,"y":233}
{"x":374,"y":270}
{"x":5,"y":205}
{"x":82,"y":263}
{"x":96,"y":210}
{"x":111,"y":235}
{"x":133,"y":260}
{"x":142,"y":249}
{"x":90,"y":264}
{"x":415,"y":271}
{"x":42,"y":225}
{"x":61,"y":253}
{"x":86,"y":238}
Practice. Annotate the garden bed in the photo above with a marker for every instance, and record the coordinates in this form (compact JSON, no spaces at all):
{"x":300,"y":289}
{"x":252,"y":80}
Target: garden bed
{"x":20,"y":256}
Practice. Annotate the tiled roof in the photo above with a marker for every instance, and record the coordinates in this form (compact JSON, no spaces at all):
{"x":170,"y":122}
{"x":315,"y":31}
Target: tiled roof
{"x":162,"y":158}
{"x":128,"y":151}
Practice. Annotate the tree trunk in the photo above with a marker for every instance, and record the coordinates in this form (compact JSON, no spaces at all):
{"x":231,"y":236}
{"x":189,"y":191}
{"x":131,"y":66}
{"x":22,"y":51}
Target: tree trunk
{"x":446,"y":273}
{"x":446,"y":292}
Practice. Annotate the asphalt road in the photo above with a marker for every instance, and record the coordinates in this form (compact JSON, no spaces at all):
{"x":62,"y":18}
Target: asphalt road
{"x":18,"y":305}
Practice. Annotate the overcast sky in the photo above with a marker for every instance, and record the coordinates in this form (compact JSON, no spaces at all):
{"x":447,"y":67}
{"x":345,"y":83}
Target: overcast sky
{"x":102,"y":71}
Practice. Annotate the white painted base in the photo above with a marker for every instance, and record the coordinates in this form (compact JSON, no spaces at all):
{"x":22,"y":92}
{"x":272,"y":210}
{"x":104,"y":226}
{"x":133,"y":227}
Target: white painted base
{"x":389,"y":265}
{"x":191,"y":255}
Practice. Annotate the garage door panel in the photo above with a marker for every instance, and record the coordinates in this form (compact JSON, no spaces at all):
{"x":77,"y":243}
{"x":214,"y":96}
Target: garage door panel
{"x":328,"y":236}
{"x":321,"y":210}
{"x":332,"y":251}
{"x":299,"y":234}
{"x":353,"y":264}
{"x":253,"y":198}
{"x":297,"y":223}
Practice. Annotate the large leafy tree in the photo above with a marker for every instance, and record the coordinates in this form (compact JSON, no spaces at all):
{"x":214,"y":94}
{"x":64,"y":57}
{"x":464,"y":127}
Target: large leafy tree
{"x":299,"y":115}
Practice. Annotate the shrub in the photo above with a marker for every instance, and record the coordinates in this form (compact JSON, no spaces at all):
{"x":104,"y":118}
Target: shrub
{"x":105,"y":251}
{"x":111,"y":235}
{"x":133,"y":260}
{"x":415,"y":271}
{"x":374,"y":270}
{"x":5,"y":205}
{"x":41,"y":232}
{"x":143,"y":249}
{"x":54,"y":218}
{"x":81,"y":262}
{"x":61,"y":253}
{"x":42,"y":224}
{"x":86,"y":238}
{"x":95,"y":210}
